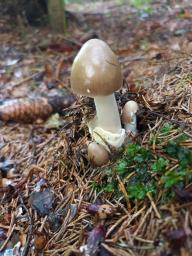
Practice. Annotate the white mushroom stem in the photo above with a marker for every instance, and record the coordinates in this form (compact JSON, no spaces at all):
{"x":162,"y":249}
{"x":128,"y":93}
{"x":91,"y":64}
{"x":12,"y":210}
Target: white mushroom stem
{"x":129,"y":118}
{"x":107,"y":113}
{"x":132,"y":126}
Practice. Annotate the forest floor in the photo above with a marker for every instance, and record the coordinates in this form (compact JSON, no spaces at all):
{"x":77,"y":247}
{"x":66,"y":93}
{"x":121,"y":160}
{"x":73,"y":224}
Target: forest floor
{"x":53,"y":202}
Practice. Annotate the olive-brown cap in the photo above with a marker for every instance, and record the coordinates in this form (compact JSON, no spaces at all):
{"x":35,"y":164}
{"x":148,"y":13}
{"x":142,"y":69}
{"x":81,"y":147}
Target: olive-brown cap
{"x":130,"y":108}
{"x":96,"y":70}
{"x":97,"y":154}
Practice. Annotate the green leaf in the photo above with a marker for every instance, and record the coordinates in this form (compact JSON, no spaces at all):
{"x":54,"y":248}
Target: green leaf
{"x":139,"y":159}
{"x":181,"y":138}
{"x":171,"y":179}
{"x":121,"y":167}
{"x":132,"y":150}
{"x":166,"y":128}
{"x":150,"y":187}
{"x":108,"y":172}
{"x":110,"y":188}
{"x":136,"y":191}
{"x":160,"y":165}
{"x":176,"y":151}
{"x":96,"y":186}
{"x":140,"y":3}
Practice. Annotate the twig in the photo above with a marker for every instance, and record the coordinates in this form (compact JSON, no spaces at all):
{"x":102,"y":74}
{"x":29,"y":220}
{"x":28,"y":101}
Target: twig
{"x":123,"y":190}
{"x":142,"y":221}
{"x":170,"y":120}
{"x":27,"y":79}
{"x":154,"y":206}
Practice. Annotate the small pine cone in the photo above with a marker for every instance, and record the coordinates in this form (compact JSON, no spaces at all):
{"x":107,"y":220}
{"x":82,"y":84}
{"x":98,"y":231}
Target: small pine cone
{"x":25,"y":109}
{"x":28,"y":109}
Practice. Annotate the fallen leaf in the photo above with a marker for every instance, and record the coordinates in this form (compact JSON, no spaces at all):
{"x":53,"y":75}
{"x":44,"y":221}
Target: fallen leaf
{"x":2,"y":234}
{"x":103,"y":211}
{"x":54,"y":122}
{"x":42,"y":183}
{"x":56,"y":219}
{"x":62,"y":48}
{"x":8,"y":168}
{"x":95,"y":238}
{"x":176,"y":238}
{"x":182,"y":195}
{"x":40,"y":240}
{"x":42,"y":201}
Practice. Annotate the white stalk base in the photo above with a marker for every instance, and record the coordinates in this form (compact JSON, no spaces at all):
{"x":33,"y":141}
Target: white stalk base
{"x":106,"y":138}
{"x":132,"y":126}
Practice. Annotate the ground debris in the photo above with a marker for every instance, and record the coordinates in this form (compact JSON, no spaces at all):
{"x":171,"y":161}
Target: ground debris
{"x":177,"y":238}
{"x":95,"y":238}
{"x":42,"y":201}
{"x":52,"y":201}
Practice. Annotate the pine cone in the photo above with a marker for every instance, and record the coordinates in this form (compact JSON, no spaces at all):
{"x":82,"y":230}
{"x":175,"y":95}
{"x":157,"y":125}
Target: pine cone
{"x":28,"y":109}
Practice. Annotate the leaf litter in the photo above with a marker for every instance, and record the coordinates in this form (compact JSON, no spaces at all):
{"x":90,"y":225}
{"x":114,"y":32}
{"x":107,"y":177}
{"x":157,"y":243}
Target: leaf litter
{"x":50,"y":201}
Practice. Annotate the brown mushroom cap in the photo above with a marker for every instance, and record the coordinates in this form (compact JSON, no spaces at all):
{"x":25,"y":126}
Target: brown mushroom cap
{"x":96,"y":70}
{"x":97,"y":154}
{"x":130,"y":108}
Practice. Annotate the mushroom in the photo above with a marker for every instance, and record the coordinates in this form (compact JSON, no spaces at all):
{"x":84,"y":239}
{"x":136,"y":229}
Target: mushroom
{"x":129,"y":118}
{"x":96,"y":73}
{"x":97,"y":154}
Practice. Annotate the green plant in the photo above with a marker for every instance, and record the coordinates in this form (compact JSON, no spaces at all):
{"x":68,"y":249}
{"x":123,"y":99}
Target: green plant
{"x":160,"y":165}
{"x":142,"y":171}
{"x":142,"y":5}
{"x":139,"y":190}
{"x":171,"y":179}
{"x":167,"y":128}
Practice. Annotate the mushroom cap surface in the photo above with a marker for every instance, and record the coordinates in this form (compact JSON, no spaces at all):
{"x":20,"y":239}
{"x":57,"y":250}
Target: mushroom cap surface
{"x":96,"y":70}
{"x":97,"y":154}
{"x":129,"y":109}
